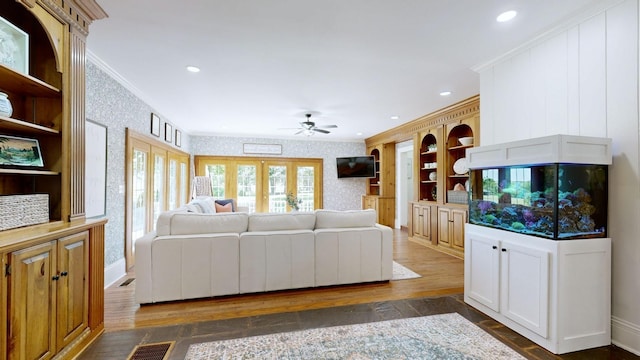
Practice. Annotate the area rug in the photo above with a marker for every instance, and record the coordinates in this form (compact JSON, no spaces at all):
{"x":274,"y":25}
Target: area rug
{"x":402,"y":273}
{"x":445,"y":336}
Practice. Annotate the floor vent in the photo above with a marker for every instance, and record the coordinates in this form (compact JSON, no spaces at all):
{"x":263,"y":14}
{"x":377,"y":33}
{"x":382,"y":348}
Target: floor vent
{"x":127,"y":282}
{"x":157,"y":351}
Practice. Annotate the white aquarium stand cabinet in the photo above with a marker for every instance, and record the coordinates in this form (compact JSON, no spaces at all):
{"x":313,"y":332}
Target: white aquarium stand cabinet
{"x":557,"y":293}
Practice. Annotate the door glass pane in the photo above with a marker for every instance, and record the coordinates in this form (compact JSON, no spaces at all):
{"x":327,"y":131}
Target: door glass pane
{"x":277,"y":188}
{"x":139,"y":192}
{"x":183,"y":184}
{"x":217,"y":174}
{"x":306,"y":188}
{"x":158,"y":188}
{"x":173,"y":184}
{"x":247,"y":186}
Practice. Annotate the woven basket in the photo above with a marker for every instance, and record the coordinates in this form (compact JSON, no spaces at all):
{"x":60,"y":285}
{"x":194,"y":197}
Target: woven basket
{"x":23,"y":210}
{"x":457,"y":197}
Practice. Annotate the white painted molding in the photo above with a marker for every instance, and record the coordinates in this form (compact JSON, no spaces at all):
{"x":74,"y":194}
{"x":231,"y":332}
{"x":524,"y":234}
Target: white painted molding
{"x":625,"y":335}
{"x":114,"y":272}
{"x":94,"y":59}
{"x":598,"y":8}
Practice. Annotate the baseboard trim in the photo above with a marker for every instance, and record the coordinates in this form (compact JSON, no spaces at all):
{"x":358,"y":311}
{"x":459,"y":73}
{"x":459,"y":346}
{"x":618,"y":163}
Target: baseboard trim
{"x":624,"y":334}
{"x":114,"y":272}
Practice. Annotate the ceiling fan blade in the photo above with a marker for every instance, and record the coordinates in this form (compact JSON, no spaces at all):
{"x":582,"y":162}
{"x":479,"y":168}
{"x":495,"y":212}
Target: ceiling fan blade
{"x":299,"y":131}
{"x":320,"y":130}
{"x":327,"y":126}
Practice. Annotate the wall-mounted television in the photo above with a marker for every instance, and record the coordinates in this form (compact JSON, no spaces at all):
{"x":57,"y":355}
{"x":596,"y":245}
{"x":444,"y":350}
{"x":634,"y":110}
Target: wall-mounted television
{"x":356,"y":166}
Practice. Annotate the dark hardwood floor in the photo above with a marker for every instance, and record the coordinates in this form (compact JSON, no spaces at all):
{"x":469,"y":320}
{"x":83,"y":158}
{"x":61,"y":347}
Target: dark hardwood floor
{"x":439,"y":290}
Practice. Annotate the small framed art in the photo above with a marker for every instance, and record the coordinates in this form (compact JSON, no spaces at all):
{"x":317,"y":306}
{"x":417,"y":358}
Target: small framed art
{"x":155,"y":125}
{"x":14,"y":47}
{"x":178,"y":138}
{"x":168,"y":132}
{"x":17,"y":151}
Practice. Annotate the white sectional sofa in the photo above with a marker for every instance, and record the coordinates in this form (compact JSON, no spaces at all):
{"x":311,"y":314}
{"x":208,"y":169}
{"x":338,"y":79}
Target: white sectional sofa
{"x":194,"y":255}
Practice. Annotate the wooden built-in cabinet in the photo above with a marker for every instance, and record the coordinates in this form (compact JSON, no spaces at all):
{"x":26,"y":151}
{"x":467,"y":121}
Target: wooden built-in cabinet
{"x":380,"y":194}
{"x":436,"y":215}
{"x":52,"y":288}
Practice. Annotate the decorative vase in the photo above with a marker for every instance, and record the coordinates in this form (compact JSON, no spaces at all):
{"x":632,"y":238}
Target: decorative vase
{"x":5,"y":105}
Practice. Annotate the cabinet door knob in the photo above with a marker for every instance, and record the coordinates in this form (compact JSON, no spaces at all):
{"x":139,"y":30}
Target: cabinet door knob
{"x":494,"y":247}
{"x":504,"y":250}
{"x":55,"y":278}
{"x":64,"y":273}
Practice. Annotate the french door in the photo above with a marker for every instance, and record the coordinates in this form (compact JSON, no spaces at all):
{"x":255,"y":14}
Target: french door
{"x":262,"y":184}
{"x":157,"y":179}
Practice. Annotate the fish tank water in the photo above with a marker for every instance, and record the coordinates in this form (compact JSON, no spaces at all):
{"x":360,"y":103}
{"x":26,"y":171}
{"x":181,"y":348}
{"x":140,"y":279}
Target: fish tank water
{"x":558,"y":201}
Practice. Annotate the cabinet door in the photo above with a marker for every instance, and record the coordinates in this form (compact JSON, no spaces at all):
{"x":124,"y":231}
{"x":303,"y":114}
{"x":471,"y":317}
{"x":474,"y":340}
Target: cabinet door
{"x":482,"y":270}
{"x":443,"y":226}
{"x":417,"y":217}
{"x":525,"y":286}
{"x":73,"y":292}
{"x":426,"y":221}
{"x":32,"y":303}
{"x":458,"y":219}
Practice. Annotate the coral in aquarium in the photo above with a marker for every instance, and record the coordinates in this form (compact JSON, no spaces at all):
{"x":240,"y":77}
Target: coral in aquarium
{"x":574,"y":213}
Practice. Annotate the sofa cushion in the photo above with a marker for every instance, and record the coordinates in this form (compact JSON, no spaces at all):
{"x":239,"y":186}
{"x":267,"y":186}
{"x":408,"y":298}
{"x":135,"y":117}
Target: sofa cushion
{"x":224,"y":208}
{"x":326,"y":219}
{"x":163,"y":224}
{"x":225,"y":202}
{"x":181,"y":223}
{"x":282,"y":221}
{"x":205,"y":204}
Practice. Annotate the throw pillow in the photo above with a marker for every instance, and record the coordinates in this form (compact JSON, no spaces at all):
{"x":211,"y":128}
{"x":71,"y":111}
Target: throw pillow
{"x":224,"y":208}
{"x":225,"y":202}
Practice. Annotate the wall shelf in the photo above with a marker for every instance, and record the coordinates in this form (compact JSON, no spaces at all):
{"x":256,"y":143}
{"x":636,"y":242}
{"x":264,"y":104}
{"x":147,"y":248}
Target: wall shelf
{"x":15,"y":81}
{"x":25,"y":127}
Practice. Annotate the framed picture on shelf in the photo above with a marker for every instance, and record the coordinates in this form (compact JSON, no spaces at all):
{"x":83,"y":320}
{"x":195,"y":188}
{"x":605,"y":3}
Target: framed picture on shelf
{"x":14,"y":47}
{"x":155,"y":125}
{"x":178,"y":138}
{"x":168,"y":132}
{"x":17,"y":151}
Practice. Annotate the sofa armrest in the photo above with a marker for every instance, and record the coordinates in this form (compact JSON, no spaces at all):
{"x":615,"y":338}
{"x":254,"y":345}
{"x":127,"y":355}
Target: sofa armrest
{"x":387,"y":251}
{"x":143,"y":268}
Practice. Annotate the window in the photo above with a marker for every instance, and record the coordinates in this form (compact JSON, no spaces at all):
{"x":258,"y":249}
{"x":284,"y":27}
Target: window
{"x":262,"y":184}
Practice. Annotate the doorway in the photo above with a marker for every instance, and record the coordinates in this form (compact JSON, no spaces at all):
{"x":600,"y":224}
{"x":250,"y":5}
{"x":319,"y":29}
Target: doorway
{"x":404,"y":182}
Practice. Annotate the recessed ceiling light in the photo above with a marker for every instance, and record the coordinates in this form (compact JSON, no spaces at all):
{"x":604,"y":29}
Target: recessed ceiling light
{"x":395,"y":117}
{"x":445,"y":93}
{"x":359,"y":134}
{"x":193,"y":69}
{"x":506,"y":16}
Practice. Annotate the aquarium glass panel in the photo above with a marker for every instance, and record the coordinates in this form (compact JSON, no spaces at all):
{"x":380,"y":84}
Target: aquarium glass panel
{"x":556,"y":201}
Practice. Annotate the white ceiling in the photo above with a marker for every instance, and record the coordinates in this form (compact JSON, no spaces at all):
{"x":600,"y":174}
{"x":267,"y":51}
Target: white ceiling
{"x":352,"y":63}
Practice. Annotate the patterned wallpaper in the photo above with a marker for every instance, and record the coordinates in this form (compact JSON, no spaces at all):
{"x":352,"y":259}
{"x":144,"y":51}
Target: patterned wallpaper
{"x":111,"y":104}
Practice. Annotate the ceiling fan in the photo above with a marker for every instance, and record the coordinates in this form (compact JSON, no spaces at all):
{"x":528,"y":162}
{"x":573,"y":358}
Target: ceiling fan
{"x":309,"y":127}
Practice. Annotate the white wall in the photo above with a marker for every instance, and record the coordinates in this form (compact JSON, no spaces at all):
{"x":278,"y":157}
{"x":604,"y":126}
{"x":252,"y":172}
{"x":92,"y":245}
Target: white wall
{"x":582,"y":80}
{"x":404,"y":182}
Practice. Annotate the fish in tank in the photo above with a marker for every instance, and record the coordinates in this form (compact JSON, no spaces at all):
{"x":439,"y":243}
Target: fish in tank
{"x":555,"y":201}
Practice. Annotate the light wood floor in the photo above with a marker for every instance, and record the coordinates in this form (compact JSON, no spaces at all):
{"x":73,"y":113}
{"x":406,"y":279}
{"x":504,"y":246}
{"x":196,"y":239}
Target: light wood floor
{"x":442,"y":274}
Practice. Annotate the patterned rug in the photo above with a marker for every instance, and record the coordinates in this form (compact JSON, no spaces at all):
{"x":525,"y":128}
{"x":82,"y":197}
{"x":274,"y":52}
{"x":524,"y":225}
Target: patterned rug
{"x":401,"y":272}
{"x":446,"y":336}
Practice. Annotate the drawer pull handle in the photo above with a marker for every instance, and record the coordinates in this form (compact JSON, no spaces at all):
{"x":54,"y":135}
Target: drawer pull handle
{"x":55,"y":278}
{"x":64,"y":273}
{"x":494,"y":247}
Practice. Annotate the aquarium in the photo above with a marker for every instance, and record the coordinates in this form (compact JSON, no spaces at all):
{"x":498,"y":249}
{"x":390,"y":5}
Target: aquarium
{"x":557,"y":201}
